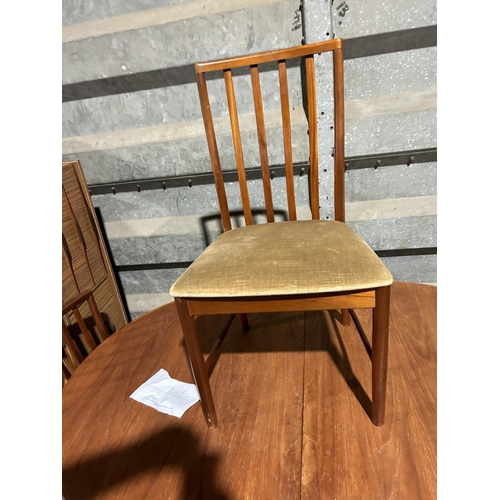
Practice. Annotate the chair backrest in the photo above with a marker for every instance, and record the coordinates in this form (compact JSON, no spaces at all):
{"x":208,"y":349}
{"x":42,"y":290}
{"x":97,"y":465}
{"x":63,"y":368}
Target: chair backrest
{"x":253,"y":61}
{"x":73,"y":354}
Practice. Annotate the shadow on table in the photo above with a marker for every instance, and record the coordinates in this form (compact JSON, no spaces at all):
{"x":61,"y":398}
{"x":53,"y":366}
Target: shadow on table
{"x":174,"y":448}
{"x":274,"y":332}
{"x":338,"y":352}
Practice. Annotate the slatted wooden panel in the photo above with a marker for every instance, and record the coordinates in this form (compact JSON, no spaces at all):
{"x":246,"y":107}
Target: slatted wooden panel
{"x":85,"y":262}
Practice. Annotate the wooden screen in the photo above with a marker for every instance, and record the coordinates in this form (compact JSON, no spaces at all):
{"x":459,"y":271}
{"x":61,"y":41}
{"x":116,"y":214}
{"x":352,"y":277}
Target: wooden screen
{"x":85,"y":262}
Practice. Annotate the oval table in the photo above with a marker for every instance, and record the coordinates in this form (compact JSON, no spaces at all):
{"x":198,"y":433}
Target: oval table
{"x":293,"y":402}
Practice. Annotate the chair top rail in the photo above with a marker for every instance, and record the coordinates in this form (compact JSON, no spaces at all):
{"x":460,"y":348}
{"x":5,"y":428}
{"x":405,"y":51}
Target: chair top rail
{"x":276,"y":55}
{"x":75,"y":302}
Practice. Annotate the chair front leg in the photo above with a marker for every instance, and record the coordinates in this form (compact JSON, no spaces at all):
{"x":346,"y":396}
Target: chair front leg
{"x":197,"y":361}
{"x":380,"y":343}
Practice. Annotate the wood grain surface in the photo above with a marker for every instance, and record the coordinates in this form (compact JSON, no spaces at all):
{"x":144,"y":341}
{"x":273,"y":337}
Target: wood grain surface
{"x":293,"y":398}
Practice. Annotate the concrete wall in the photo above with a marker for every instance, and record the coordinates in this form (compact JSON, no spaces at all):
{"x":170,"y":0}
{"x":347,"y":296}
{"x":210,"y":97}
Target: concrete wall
{"x":131,"y":111}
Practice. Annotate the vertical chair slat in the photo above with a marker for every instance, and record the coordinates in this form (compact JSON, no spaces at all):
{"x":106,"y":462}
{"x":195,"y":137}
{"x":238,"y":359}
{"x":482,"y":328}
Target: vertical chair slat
{"x":212,"y":148}
{"x":338,"y":97}
{"x":261,"y":134}
{"x":313,"y":136}
{"x":67,"y":369}
{"x":98,"y":318}
{"x":238,"y":150}
{"x":287,"y":138}
{"x":84,"y":329}
{"x":69,"y":344}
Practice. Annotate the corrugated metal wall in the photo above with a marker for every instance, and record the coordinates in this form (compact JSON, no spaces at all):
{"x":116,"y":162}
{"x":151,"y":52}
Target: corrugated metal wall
{"x":131,"y":112}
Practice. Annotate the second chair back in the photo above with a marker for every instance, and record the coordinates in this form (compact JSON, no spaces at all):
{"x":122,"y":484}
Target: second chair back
{"x":73,"y":355}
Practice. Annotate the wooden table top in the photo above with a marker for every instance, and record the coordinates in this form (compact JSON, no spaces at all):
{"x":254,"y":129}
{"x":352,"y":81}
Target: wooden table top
{"x":292,"y":398}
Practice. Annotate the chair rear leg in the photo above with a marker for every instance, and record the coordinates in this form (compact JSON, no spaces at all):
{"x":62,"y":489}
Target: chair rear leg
{"x":380,"y":343}
{"x":244,"y":323}
{"x":197,"y":361}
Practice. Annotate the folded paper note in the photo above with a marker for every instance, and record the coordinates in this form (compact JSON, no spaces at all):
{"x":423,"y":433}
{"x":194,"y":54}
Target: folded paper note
{"x":166,"y":394}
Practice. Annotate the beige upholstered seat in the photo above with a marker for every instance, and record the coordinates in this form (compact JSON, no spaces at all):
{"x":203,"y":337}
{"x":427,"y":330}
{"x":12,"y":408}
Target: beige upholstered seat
{"x":298,"y":257}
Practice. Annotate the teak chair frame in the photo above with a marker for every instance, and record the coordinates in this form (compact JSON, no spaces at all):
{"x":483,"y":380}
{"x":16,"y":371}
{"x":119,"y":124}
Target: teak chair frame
{"x":70,"y":348}
{"x":377,"y":299}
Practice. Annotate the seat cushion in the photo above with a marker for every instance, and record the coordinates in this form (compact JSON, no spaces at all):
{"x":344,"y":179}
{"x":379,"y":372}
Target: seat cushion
{"x":283,"y":258}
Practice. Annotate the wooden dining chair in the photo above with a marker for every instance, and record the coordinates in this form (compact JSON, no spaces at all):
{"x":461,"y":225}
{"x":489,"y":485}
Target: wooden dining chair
{"x":302,"y":265}
{"x":72,"y":355}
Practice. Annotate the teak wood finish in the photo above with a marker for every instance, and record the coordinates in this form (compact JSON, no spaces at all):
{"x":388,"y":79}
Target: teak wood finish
{"x":378,"y":299}
{"x":298,"y":427}
{"x":74,"y":356}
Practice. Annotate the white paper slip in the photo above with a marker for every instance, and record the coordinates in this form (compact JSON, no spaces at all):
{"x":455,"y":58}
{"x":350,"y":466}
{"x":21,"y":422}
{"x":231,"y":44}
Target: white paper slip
{"x":166,"y":394}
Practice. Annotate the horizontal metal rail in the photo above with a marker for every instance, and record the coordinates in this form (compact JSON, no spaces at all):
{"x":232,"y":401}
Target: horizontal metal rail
{"x":398,"y":252}
{"x":391,"y":159}
{"x":300,"y":168}
{"x":190,"y":180}
{"x":403,"y":252}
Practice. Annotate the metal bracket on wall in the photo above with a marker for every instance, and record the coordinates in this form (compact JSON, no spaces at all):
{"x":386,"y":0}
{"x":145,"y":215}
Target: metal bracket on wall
{"x":391,"y":159}
{"x":191,"y":180}
{"x":299,"y":168}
